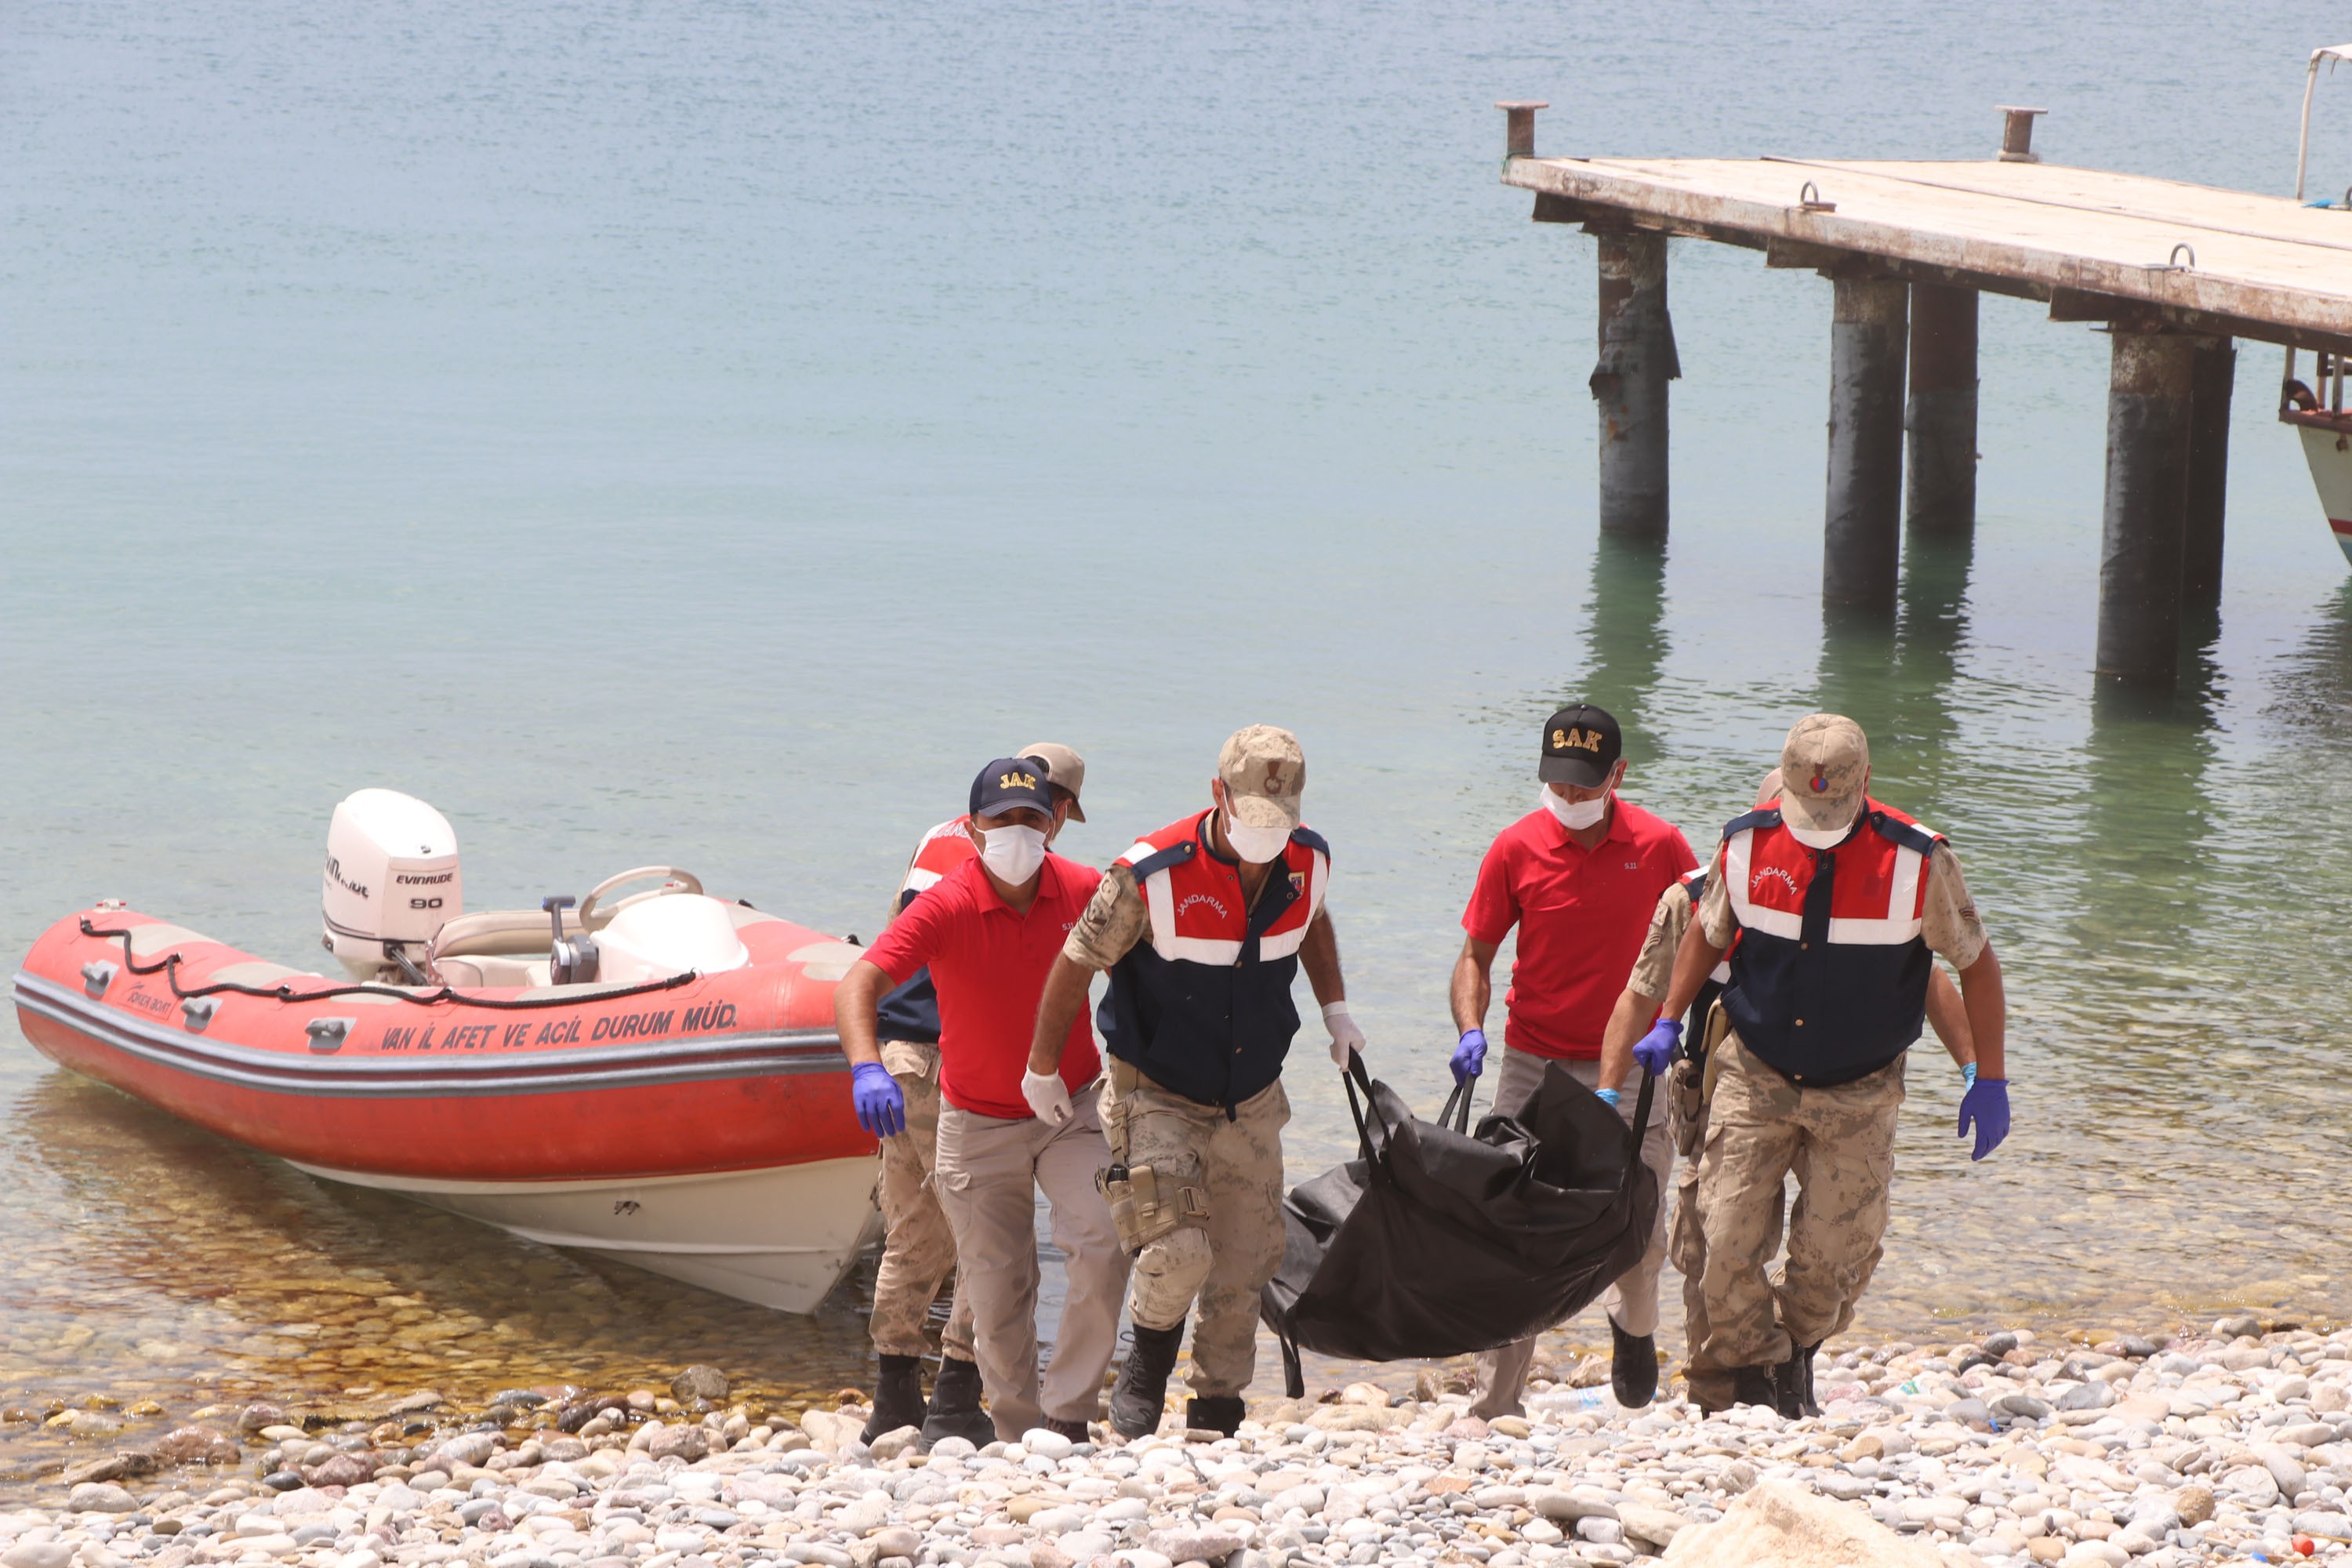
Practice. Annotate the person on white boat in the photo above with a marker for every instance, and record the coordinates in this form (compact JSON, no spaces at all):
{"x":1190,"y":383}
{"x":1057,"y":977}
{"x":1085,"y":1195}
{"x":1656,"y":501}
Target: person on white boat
{"x":988,"y":931}
{"x":918,"y":1252}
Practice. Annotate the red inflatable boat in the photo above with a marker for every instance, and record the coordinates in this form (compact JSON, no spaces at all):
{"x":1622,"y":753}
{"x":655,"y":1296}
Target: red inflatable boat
{"x":659,"y":1083}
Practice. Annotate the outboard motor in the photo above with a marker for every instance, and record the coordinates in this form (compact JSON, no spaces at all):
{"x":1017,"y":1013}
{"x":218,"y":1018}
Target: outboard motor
{"x":392,"y":881}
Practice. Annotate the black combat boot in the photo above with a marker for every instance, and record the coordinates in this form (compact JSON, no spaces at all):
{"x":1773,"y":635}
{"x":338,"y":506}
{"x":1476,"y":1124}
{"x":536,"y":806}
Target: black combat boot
{"x":1795,"y":1378}
{"x":1076,"y":1431}
{"x":955,"y":1406}
{"x":1755,"y":1385}
{"x":1633,"y":1367}
{"x":1217,"y":1413}
{"x":897,"y":1396}
{"x":1711,"y":1391}
{"x":1142,"y":1392}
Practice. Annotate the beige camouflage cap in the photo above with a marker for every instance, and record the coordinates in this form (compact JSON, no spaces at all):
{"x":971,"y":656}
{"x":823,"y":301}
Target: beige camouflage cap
{"x":1824,"y":763}
{"x":1264,"y":771}
{"x":1064,"y":768}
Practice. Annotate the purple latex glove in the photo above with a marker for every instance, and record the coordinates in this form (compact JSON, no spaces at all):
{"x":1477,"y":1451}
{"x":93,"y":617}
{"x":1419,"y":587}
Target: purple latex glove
{"x":881,"y":1105}
{"x":1469,"y":1056}
{"x":1656,"y":1049}
{"x":1986,"y":1104}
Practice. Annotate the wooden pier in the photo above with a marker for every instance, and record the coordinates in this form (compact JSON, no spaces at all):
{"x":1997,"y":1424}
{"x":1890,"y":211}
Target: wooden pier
{"x":2177,"y":273}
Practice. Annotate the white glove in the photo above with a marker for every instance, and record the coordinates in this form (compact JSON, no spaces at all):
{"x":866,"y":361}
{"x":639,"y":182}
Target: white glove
{"x":1047,"y":1097}
{"x":1346,"y":1039}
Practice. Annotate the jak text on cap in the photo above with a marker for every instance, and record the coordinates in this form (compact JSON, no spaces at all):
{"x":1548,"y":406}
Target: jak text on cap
{"x":1010,"y":782}
{"x":1580,"y":744}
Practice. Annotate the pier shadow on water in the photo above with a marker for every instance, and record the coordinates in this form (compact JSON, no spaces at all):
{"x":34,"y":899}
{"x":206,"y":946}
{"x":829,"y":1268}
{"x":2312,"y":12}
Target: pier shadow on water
{"x":1626,"y":637}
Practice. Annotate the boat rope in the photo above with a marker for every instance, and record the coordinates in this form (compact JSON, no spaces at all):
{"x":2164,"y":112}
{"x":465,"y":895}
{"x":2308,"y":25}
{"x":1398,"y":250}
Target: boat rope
{"x":168,"y":967}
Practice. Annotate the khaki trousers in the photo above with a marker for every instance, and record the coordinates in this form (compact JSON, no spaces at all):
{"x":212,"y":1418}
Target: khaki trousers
{"x":1633,"y":1301}
{"x":1840,"y":1143}
{"x":918,"y":1253}
{"x":1215,"y":1272}
{"x":990,"y":1171}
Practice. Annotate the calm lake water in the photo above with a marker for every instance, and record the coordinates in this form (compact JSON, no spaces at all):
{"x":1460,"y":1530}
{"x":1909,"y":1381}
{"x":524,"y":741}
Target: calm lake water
{"x":703,"y":434}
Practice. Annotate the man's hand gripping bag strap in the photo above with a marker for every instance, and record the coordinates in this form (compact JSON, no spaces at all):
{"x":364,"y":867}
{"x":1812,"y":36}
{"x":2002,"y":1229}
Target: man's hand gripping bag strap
{"x":1372,"y":1143}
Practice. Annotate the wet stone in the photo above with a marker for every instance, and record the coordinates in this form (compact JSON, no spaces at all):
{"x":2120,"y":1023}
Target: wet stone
{"x":578,"y":1414}
{"x":695,"y":1383}
{"x":341,"y":1471}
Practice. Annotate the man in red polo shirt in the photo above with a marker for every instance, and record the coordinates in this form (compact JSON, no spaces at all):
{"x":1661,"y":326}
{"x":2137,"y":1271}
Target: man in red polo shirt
{"x":1579,"y":876}
{"x":989,"y":931}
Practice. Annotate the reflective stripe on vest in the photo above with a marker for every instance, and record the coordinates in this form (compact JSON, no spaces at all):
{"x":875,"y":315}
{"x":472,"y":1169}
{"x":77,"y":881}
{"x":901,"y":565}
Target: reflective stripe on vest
{"x":1191,"y":921}
{"x":1830,"y":994}
{"x":1893,"y":886}
{"x":942,"y":850}
{"x":1202,"y":1007}
{"x":911,"y":1011}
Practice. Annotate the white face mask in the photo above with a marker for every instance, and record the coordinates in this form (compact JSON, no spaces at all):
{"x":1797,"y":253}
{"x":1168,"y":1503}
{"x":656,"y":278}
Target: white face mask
{"x":1255,"y":845}
{"x":1816,"y":837}
{"x":1574,"y":813}
{"x":1013,"y":853}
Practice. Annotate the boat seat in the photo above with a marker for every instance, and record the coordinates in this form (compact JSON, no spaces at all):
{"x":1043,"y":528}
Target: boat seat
{"x":505,"y":933}
{"x":488,"y":969}
{"x":509,"y":947}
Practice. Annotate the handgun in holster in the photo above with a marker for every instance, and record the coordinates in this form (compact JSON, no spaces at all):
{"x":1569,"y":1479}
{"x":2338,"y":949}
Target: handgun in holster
{"x":1142,"y":1211}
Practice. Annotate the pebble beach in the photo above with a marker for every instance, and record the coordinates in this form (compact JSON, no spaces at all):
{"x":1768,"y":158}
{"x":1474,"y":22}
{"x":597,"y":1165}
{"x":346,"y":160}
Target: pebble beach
{"x":2228,"y":1443}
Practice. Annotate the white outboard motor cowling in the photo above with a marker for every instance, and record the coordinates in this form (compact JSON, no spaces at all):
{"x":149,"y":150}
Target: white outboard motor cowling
{"x":392,"y":881}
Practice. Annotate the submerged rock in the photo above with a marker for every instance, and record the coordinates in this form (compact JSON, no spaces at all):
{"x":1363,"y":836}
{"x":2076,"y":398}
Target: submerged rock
{"x":699,"y":1382}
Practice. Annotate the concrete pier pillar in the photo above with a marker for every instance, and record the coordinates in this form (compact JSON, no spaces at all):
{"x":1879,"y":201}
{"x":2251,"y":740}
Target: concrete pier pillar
{"x":2148,"y":420}
{"x":1939,"y":481}
{"x":1863,"y":537}
{"x":1629,"y":384}
{"x":2212,"y":376}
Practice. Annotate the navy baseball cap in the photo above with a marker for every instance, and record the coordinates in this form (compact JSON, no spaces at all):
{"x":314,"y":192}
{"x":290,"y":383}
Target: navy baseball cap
{"x":1010,"y":781}
{"x":1580,"y":744}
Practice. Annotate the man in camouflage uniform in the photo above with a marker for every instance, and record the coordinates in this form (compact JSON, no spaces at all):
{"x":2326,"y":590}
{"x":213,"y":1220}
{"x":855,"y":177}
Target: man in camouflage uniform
{"x":1202,"y":926}
{"x":1836,"y":902}
{"x":1691,"y":1086}
{"x":918,"y":1250}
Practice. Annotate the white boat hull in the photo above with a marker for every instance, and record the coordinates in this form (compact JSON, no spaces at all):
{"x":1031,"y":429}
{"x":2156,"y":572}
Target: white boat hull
{"x":2330,"y":452}
{"x":781,"y":1237}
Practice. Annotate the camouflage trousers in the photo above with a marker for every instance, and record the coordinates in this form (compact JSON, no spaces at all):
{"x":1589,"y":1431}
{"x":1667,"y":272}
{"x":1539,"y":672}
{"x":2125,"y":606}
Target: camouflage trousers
{"x":919,"y":1251}
{"x":1686,"y":1094}
{"x":1221,"y":1267}
{"x":1839,"y":1144}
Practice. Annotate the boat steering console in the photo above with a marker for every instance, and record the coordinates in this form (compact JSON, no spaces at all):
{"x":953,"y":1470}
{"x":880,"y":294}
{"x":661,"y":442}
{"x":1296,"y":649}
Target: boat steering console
{"x":573,"y":960}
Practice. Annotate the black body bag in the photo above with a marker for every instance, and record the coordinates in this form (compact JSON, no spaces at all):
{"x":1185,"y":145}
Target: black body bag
{"x":1437,"y":1241}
